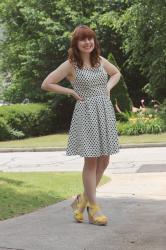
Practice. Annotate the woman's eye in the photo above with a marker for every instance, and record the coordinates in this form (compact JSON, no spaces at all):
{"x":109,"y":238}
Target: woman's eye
{"x":85,"y":39}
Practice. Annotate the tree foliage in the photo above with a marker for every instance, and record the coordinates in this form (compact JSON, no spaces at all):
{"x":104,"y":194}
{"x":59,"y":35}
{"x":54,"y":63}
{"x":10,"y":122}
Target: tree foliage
{"x":119,"y":94}
{"x":37,"y":39}
{"x":143,"y":28}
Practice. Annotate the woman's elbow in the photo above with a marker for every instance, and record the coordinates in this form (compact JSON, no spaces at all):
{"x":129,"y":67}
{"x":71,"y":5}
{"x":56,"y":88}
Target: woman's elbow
{"x":43,"y":86}
{"x":120,"y":75}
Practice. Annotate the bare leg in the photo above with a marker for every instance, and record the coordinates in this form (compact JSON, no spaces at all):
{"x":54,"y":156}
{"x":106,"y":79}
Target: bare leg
{"x":102,"y":163}
{"x":92,"y":173}
{"x":89,"y":178}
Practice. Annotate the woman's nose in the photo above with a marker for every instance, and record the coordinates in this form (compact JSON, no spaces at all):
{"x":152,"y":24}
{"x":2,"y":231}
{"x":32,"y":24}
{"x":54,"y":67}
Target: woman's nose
{"x":87,"y":40}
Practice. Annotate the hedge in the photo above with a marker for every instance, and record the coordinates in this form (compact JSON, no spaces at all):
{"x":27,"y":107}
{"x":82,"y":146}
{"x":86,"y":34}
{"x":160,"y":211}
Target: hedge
{"x":26,"y":120}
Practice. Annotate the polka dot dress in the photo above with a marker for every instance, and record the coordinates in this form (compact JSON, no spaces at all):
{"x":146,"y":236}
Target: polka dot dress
{"x":93,"y":126}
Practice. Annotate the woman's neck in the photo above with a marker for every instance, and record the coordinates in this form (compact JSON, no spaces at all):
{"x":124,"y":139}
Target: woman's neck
{"x":86,"y":59}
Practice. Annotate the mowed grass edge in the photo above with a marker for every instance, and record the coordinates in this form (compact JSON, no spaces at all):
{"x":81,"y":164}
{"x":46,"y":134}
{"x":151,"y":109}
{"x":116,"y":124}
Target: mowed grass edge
{"x":60,"y":140}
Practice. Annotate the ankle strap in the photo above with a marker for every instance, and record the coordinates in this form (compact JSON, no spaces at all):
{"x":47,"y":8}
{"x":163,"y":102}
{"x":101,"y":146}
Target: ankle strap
{"x":95,"y":208}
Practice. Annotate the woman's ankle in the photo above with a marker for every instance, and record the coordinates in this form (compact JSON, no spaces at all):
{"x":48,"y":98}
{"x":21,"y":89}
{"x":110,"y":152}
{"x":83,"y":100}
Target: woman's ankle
{"x":92,"y":204}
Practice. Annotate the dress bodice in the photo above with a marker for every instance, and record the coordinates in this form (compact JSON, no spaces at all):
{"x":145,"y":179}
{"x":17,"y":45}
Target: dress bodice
{"x":90,"y":82}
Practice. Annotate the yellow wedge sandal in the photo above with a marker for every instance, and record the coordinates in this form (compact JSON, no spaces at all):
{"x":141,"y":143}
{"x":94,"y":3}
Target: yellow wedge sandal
{"x":79,"y":203}
{"x":100,"y":220}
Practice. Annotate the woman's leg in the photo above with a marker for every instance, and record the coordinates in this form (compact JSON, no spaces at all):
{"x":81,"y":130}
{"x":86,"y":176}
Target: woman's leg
{"x":89,"y":178}
{"x":92,"y":173}
{"x":102,"y":163}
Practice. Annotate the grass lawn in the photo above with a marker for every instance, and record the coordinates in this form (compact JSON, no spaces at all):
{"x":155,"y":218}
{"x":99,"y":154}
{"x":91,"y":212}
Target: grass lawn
{"x":146,"y":138}
{"x":21,"y":193}
{"x":60,"y":140}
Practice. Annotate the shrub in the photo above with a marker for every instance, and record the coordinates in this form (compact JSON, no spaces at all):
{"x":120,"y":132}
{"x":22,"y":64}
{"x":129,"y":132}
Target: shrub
{"x":122,"y":117}
{"x":6,"y":132}
{"x":63,"y":107}
{"x":30,"y":119}
{"x":162,"y":113}
{"x":141,"y":126}
{"x":155,"y":126}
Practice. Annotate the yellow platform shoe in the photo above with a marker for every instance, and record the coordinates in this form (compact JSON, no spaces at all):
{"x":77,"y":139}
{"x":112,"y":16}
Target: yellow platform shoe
{"x":79,"y":205}
{"x":100,"y":220}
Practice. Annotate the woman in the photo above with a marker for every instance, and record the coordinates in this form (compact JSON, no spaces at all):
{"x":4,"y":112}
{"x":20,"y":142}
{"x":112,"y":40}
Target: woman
{"x":93,"y":133}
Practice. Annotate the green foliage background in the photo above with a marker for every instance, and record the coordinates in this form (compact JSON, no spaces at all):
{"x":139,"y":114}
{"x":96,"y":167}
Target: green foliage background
{"x":143,"y":30}
{"x":37,"y":39}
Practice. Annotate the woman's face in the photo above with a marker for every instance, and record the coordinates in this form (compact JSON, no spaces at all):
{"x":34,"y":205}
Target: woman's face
{"x":86,"y":45}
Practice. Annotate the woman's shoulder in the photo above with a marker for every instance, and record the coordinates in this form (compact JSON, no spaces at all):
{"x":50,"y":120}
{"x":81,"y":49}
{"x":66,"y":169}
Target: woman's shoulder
{"x":103,"y":60}
{"x":67,"y":64}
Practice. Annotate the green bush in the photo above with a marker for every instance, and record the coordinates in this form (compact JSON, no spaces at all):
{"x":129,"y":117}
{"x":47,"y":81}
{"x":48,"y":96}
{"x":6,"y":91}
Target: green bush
{"x":155,"y":126}
{"x":63,"y":107}
{"x":28,"y":119}
{"x":119,"y":94}
{"x":122,"y":117}
{"x":7,"y":133}
{"x":162,"y":113}
{"x":141,"y":126}
{"x":4,"y":130}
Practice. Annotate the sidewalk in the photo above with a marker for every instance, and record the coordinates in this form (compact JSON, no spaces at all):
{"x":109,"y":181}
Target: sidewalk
{"x":134,"y":203}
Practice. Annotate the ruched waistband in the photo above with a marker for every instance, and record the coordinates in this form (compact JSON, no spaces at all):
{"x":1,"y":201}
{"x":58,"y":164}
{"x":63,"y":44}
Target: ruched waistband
{"x":94,"y":97}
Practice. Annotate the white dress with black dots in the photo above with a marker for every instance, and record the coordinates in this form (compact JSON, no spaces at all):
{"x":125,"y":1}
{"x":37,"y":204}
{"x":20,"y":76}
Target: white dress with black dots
{"x":93,"y":129}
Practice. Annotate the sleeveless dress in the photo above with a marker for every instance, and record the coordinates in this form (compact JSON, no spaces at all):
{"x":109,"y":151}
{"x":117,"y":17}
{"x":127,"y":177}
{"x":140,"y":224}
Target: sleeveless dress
{"x":93,"y":129}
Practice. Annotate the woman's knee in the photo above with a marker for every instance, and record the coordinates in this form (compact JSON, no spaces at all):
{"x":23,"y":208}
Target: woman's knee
{"x":103,"y":161}
{"x":90,"y":162}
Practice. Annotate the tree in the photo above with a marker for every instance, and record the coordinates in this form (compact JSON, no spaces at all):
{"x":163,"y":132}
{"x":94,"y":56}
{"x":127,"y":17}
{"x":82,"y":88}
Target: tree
{"x":119,"y":94}
{"x":143,"y":28}
{"x":37,"y":38}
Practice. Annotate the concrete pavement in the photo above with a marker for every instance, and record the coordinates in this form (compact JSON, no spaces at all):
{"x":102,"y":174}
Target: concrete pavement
{"x":134,"y":201}
{"x":128,"y":160}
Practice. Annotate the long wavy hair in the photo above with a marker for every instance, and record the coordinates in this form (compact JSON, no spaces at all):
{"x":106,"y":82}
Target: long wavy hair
{"x":81,"y":32}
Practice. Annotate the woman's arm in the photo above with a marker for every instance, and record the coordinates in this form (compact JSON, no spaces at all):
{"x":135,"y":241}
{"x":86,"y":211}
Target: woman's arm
{"x":113,"y":72}
{"x":52,"y":80}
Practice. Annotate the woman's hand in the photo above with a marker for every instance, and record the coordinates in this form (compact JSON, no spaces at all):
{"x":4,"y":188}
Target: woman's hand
{"x":76,"y":96}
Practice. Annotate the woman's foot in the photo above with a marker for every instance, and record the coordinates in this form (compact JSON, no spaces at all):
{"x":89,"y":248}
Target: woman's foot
{"x":95,"y":215}
{"x":79,"y":206}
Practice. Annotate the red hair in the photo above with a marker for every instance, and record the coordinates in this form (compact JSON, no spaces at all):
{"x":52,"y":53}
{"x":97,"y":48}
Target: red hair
{"x":81,"y":32}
